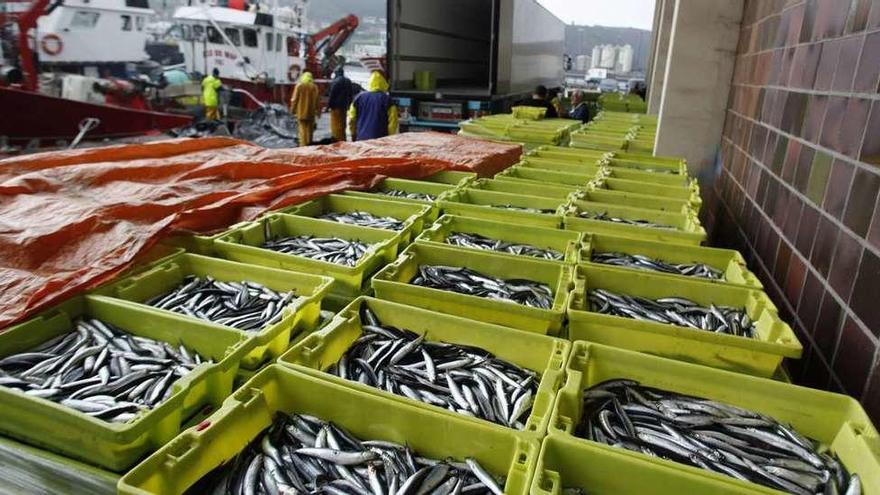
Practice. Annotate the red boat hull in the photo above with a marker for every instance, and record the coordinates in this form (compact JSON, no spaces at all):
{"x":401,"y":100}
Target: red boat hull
{"x":27,"y":116}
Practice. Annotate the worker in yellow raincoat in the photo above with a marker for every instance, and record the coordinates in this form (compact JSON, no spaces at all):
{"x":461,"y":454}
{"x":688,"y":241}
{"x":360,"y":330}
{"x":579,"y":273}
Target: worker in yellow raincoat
{"x":373,"y":113}
{"x":304,"y":104}
{"x":210,"y":86}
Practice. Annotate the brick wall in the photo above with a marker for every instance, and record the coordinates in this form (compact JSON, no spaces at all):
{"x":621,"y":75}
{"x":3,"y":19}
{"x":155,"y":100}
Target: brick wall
{"x":797,"y":191}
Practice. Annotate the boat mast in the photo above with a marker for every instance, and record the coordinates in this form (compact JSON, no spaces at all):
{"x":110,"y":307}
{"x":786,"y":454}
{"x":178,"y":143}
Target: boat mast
{"x":27,"y":22}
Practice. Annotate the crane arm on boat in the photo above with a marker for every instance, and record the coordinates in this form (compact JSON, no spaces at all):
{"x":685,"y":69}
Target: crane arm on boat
{"x":328,"y":41}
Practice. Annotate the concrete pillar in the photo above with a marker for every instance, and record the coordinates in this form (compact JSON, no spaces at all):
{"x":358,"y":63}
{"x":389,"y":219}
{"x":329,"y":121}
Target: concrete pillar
{"x":663,"y":11}
{"x":699,"y":68}
{"x":652,"y":46}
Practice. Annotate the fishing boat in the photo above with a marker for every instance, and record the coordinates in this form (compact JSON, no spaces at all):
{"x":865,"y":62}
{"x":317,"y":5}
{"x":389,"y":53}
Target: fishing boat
{"x":64,"y":75}
{"x":258,"y":48}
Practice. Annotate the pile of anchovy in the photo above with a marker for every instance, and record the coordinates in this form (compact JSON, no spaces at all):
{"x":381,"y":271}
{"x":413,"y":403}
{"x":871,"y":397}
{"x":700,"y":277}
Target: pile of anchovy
{"x":545,"y":211}
{"x":464,"y":379}
{"x":674,"y":311}
{"x":364,"y":219}
{"x":246,"y":306}
{"x":304,"y":454}
{"x":99,"y":370}
{"x":467,"y":281}
{"x":328,"y":249}
{"x":700,"y":270}
{"x":711,"y":435}
{"x":397,"y":193}
{"x":605,"y":217}
{"x":477,"y":241}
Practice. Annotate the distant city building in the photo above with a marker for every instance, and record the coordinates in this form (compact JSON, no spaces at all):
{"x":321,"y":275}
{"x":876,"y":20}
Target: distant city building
{"x":612,"y":57}
{"x":597,"y":57}
{"x":582,"y":63}
{"x":609,"y":56}
{"x":624,"y":62}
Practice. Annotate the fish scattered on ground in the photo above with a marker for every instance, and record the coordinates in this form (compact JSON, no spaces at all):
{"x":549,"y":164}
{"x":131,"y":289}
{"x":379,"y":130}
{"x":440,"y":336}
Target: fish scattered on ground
{"x":605,"y":217}
{"x":464,"y":379}
{"x":301,"y":454}
{"x":674,"y":311}
{"x":397,"y":193}
{"x":100,"y":370}
{"x":245,"y":305}
{"x":711,"y":435}
{"x":699,"y":270}
{"x":477,"y":241}
{"x":466,"y":281}
{"x":364,"y":219}
{"x":329,"y":249}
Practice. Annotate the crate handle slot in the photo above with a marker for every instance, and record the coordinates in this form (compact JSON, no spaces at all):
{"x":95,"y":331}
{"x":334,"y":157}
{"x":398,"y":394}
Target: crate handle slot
{"x":312,"y":344}
{"x":234,"y":348}
{"x":564,"y":424}
{"x":250,"y":396}
{"x":523,"y":455}
{"x":547,"y":483}
{"x":184,"y":444}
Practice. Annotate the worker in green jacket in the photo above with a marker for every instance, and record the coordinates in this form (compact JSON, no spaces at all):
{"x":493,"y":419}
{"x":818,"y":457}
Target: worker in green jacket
{"x":210,"y":86}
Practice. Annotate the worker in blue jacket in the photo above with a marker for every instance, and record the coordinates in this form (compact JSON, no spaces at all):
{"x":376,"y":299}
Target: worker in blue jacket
{"x":373,"y":113}
{"x":339,"y":99}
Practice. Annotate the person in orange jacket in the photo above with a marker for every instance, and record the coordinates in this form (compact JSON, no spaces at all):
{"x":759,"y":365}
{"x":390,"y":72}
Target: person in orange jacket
{"x":304,"y":104}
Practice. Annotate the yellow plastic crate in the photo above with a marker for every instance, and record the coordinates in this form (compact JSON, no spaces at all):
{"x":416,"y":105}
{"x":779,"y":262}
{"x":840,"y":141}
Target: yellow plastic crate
{"x":690,"y":194}
{"x":243,"y":244}
{"x":393,"y":283}
{"x":582,"y":157}
{"x":451,"y":177}
{"x":550,"y":177}
{"x":835,"y":420}
{"x":484,"y":204}
{"x":728,"y":261}
{"x":760,"y":356}
{"x":278,"y":389}
{"x":412,"y":215}
{"x":560,"y":165}
{"x":636,"y":200}
{"x":687,"y":227}
{"x":544,"y":355}
{"x":556,"y":191}
{"x":677,"y":180}
{"x":435,"y":189}
{"x":567,"y":242}
{"x":301,"y":315}
{"x":567,"y":463}
{"x":118,"y":446}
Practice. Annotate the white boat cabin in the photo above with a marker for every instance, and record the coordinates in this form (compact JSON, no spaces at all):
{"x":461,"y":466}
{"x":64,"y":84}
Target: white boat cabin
{"x":94,"y":32}
{"x":255,"y":44}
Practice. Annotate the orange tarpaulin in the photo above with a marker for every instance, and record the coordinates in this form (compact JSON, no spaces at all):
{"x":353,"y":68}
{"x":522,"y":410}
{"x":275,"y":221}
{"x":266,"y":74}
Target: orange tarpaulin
{"x":486,"y":158}
{"x":71,"y":220}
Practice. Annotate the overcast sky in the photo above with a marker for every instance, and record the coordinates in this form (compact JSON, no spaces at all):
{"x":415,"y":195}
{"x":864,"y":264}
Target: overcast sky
{"x":617,"y":13}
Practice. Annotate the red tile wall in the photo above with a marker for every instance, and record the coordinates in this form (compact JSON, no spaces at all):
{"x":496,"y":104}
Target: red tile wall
{"x":798,"y":187}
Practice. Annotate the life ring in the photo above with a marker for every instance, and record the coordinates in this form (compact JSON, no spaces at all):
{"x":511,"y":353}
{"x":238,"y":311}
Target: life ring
{"x":52,"y":44}
{"x":293,"y":72}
